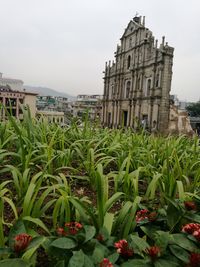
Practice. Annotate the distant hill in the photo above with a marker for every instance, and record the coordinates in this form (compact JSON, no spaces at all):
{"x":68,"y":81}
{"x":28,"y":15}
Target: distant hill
{"x":47,"y":91}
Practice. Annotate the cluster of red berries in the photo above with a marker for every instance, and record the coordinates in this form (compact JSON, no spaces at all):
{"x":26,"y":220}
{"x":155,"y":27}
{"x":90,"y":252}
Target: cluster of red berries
{"x":145,"y":214}
{"x":190,"y":205}
{"x":71,"y":228}
{"x":192,"y":229}
{"x":106,"y":263}
{"x":194,"y":260}
{"x":123,"y":248}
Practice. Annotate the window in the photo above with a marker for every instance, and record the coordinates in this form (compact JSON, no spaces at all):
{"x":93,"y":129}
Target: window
{"x":128,"y":88}
{"x":113,"y":89}
{"x":148,"y":87}
{"x":128,"y":62}
{"x":157,"y":80}
{"x":130,"y":42}
{"x":138,"y":84}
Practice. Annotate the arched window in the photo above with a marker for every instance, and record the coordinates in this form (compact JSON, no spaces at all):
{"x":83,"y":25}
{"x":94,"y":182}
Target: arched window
{"x":128,"y":88}
{"x":157,"y":80}
{"x":147,"y":87}
{"x":130,"y":42}
{"x":148,"y":84}
{"x":113,"y":90}
{"x":128,"y":62}
{"x":138,"y":84}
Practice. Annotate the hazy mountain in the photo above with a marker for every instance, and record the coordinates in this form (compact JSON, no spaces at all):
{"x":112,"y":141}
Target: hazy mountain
{"x":46,"y":91}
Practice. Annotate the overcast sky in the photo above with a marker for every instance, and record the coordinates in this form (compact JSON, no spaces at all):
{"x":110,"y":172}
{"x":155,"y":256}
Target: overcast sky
{"x":63,"y":44}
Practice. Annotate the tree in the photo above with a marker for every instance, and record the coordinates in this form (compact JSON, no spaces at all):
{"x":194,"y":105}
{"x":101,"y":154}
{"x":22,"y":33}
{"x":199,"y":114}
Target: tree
{"x":194,"y":109}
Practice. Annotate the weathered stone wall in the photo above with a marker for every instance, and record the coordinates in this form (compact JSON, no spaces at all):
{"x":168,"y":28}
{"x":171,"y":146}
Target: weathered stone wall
{"x":138,"y":82}
{"x":179,"y":122}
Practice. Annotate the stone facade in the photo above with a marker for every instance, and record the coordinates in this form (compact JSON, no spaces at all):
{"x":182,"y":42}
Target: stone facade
{"x":179,"y":122}
{"x":137,"y":84}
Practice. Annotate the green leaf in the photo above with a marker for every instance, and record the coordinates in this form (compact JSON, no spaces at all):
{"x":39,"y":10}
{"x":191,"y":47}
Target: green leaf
{"x":64,"y":243}
{"x":150,"y":230}
{"x":174,"y":214}
{"x":34,"y":245}
{"x":60,"y":264}
{"x":5,"y":252}
{"x":90,"y":232}
{"x":166,"y":263}
{"x":14,"y":263}
{"x":98,"y":255}
{"x":113,"y":257}
{"x":36,"y":221}
{"x":162,"y":239}
{"x":88,"y":262}
{"x":108,"y":221}
{"x":137,"y":263}
{"x":77,"y":260}
{"x":179,"y":252}
{"x":182,"y":241}
{"x":193,"y":217}
{"x":138,"y":243}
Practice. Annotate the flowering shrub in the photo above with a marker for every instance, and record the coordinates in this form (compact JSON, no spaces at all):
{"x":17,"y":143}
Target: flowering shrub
{"x":106,"y":263}
{"x":153,"y":252}
{"x":142,"y":215}
{"x":190,"y":228}
{"x":71,"y":228}
{"x":123,"y":248}
{"x":21,"y":242}
{"x":193,"y":229}
{"x":145,"y":214}
{"x":190,"y":205}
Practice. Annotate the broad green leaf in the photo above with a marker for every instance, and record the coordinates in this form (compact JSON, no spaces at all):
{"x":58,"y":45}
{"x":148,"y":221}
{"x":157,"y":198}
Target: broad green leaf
{"x":88,"y":262}
{"x":113,"y":257}
{"x":64,"y":243}
{"x":108,"y":221}
{"x":77,"y":260}
{"x":180,"y":253}
{"x":162,"y":239}
{"x":98,"y":255}
{"x":138,"y":243}
{"x":137,"y":263}
{"x":34,"y":245}
{"x":90,"y":232}
{"x":182,"y":241}
{"x":14,"y":263}
{"x":166,"y":263}
{"x":36,"y":221}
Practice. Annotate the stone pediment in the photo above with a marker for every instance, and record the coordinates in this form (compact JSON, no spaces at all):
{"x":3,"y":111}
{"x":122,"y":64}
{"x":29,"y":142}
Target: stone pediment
{"x":132,"y":26}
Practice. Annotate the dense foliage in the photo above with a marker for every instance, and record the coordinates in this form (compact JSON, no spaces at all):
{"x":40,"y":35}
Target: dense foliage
{"x":194,"y":109}
{"x":87,"y":196}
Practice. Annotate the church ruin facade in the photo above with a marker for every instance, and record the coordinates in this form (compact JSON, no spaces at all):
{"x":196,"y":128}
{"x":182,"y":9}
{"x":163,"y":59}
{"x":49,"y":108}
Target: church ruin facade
{"x":137,"y":84}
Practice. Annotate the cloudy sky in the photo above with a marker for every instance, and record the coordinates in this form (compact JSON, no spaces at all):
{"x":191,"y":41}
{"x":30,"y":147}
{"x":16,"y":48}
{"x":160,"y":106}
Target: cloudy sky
{"x":63,"y":44}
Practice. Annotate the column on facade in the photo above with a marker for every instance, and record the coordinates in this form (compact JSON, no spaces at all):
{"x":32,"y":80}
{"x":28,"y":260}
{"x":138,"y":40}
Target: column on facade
{"x":137,"y":118}
{"x":132,"y":113}
{"x":17,"y":107}
{"x":113,"y":114}
{"x":129,"y":114}
{"x":4,"y":104}
{"x":155,"y":115}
